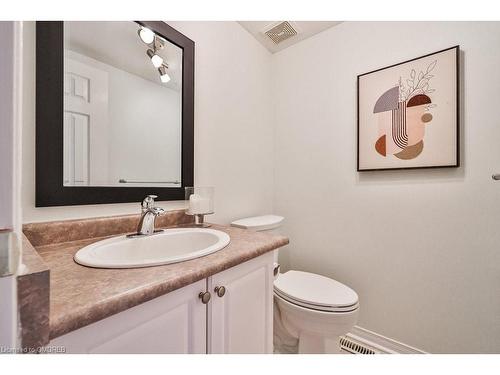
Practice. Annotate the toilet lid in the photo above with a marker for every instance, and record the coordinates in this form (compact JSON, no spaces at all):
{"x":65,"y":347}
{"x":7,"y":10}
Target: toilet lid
{"x":259,"y":223}
{"x":315,"y":291}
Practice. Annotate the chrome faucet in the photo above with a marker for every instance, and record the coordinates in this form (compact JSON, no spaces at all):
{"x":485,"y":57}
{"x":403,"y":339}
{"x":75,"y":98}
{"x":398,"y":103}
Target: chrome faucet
{"x":149,"y":213}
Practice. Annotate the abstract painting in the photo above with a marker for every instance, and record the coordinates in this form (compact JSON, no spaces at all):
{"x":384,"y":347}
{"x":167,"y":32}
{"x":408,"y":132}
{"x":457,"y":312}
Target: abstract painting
{"x":408,"y":114}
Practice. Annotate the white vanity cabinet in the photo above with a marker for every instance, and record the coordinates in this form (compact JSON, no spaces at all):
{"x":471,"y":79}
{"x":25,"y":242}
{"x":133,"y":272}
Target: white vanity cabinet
{"x":173,"y":323}
{"x":241,"y":318}
{"x":237,"y":320}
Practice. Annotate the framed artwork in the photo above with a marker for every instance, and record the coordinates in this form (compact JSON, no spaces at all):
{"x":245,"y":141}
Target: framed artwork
{"x":408,"y":114}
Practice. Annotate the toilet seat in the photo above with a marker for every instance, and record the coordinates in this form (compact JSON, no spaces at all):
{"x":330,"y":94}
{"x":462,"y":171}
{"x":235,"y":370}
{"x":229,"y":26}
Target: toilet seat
{"x":315,"y":292}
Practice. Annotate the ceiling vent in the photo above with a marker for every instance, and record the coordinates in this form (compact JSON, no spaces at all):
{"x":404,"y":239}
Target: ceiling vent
{"x":281,"y":32}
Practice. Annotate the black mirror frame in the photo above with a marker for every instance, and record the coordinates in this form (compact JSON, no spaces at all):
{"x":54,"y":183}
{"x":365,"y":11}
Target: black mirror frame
{"x":50,"y":190}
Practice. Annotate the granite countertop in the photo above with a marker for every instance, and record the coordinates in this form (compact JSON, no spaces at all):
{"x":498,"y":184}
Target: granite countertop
{"x":33,"y":298}
{"x":82,"y":295}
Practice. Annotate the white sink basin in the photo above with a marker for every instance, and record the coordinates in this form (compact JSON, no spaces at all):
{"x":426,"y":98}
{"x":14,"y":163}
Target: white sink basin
{"x":169,"y":246}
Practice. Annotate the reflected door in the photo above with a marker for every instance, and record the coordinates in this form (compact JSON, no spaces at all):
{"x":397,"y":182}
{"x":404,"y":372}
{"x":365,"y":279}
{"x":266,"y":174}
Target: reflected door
{"x":85,"y":124}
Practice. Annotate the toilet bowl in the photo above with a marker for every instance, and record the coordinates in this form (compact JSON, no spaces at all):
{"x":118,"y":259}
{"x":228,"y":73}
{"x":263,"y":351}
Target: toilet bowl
{"x":311,"y":311}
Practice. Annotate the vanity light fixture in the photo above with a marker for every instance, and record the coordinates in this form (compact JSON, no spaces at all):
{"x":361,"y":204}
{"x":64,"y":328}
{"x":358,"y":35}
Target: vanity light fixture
{"x":156,"y":59}
{"x":156,"y":43}
{"x":146,"y":35}
{"x":164,"y":77}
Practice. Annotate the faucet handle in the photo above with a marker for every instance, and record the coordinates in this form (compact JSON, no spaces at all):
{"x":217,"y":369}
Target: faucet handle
{"x":148,"y":202}
{"x":158,"y":211}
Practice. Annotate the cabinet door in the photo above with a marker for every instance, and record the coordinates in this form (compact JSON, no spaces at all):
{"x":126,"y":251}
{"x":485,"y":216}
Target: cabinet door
{"x":173,"y":323}
{"x":242,"y":319}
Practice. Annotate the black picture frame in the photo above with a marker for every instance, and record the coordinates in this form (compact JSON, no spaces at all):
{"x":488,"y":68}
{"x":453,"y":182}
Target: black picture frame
{"x":50,"y":190}
{"x":457,"y":156}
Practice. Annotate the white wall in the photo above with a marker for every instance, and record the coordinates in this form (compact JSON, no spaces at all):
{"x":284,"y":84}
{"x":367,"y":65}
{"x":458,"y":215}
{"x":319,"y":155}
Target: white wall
{"x":145,"y":123}
{"x":233,"y":127}
{"x":421,"y":248}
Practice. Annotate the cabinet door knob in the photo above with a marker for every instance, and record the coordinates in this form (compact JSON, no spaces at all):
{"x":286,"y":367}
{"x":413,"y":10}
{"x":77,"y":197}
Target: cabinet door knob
{"x":220,"y":290}
{"x":205,"y":297}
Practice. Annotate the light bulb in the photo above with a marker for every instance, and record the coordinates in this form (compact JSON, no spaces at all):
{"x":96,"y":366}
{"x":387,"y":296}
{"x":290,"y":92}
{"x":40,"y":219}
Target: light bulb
{"x":155,"y":59}
{"x":146,"y":35}
{"x":164,"y":77}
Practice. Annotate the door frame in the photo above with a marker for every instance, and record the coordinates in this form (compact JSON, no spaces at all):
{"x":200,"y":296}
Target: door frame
{"x":11,"y":63}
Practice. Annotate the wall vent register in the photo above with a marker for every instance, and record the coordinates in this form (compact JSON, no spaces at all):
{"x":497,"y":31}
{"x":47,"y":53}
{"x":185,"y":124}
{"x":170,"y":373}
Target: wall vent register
{"x":350,"y":346}
{"x":281,"y":32}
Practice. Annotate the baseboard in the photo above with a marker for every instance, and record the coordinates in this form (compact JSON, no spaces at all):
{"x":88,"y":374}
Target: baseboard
{"x":380,"y":344}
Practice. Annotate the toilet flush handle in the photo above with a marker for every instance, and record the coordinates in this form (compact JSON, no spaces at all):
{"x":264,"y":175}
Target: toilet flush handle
{"x":277,"y":269}
{"x":220,"y":291}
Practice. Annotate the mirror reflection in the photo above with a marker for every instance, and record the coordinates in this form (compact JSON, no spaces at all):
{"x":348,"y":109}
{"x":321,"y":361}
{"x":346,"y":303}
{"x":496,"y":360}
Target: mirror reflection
{"x":122,"y":106}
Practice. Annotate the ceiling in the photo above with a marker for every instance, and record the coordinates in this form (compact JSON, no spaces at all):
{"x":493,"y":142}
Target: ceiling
{"x":305,"y":30}
{"x":117,"y":43}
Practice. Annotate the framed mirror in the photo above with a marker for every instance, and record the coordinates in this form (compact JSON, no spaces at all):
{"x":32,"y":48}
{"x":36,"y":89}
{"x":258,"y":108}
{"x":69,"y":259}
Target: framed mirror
{"x":114,"y":112}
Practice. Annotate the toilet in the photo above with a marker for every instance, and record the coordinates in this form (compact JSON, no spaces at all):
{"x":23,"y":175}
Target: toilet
{"x":311,"y":311}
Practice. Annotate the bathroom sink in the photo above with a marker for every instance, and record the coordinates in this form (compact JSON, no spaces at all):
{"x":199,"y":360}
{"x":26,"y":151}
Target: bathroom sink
{"x":168,"y":246}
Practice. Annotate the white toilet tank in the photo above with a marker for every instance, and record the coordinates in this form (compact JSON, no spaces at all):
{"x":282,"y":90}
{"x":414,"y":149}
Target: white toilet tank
{"x":268,"y":223}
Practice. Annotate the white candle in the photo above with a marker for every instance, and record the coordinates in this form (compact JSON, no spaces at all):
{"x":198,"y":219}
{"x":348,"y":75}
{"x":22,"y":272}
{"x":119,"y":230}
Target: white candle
{"x":198,"y":204}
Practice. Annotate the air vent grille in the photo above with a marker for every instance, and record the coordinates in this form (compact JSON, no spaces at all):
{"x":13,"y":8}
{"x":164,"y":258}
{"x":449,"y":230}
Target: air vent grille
{"x":281,"y":32}
{"x":353,"y":347}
